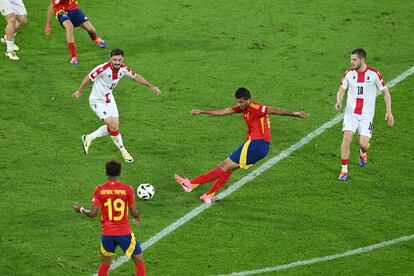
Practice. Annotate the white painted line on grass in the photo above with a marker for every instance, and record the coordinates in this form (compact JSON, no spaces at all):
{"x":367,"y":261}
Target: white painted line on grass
{"x":264,"y":167}
{"x":323,"y":259}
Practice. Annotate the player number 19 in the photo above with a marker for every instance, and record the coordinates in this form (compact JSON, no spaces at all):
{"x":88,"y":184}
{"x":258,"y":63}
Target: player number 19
{"x":118,"y":205}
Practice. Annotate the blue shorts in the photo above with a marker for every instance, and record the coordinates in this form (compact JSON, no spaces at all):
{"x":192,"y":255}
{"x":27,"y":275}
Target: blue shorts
{"x":77,"y":17}
{"x":250,"y":152}
{"x":128,"y":243}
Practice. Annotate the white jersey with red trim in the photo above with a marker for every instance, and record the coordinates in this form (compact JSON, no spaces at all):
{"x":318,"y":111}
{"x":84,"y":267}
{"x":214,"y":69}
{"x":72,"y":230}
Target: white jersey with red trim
{"x":362,"y":90}
{"x":105,"y":79}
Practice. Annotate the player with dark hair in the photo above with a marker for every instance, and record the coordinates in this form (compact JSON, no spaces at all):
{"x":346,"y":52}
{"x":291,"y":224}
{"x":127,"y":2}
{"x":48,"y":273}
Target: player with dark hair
{"x":105,"y":78}
{"x":362,"y":82}
{"x":114,"y":199}
{"x":69,"y":15}
{"x":252,"y":150}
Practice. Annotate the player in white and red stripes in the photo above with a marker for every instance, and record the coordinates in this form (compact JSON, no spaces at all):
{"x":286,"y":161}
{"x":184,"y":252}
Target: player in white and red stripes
{"x":105,"y":78}
{"x":363,"y":83}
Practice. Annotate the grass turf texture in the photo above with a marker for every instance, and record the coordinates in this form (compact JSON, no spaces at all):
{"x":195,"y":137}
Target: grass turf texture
{"x":289,"y":55}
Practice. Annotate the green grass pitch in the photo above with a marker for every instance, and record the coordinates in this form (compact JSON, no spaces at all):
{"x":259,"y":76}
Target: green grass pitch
{"x":290,"y":54}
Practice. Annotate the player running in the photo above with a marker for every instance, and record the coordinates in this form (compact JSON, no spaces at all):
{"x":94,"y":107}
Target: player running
{"x":362,"y":83}
{"x":254,"y":149}
{"x":105,"y":78}
{"x":115,"y":198}
{"x":15,"y":14}
{"x":69,"y":15}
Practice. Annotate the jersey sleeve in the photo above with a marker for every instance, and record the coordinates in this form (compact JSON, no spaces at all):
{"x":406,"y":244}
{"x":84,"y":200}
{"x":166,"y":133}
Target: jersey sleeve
{"x":236,"y":109}
{"x":344,"y":81}
{"x":379,"y":82}
{"x":131,"y":196}
{"x":128,"y":72}
{"x":95,"y":198}
{"x":96,"y":72}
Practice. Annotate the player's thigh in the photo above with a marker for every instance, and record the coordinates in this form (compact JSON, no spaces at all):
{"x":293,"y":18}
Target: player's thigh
{"x":108,"y":245}
{"x":365,"y":127}
{"x":350,"y":123}
{"x":11,"y":18}
{"x":22,"y":19}
{"x":18,"y":7}
{"x":66,"y":23}
{"x":129,"y":245}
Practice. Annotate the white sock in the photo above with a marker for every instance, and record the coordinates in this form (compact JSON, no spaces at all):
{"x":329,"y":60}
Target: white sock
{"x":345,"y":168}
{"x":10,"y":46}
{"x":100,"y":132}
{"x":118,"y":142}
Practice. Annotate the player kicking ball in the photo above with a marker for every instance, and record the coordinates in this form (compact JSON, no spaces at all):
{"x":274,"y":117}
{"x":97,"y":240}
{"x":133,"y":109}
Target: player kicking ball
{"x":69,"y":15}
{"x":252,"y":150}
{"x":362,"y":83}
{"x":105,"y":78}
{"x":114,"y":199}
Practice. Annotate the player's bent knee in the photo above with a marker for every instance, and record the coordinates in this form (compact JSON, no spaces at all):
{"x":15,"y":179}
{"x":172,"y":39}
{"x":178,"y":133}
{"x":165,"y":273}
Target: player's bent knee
{"x":23,"y":21}
{"x":139,"y":258}
{"x":11,"y":19}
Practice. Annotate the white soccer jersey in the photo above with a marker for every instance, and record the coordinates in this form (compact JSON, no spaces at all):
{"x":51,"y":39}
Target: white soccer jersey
{"x":105,"y":79}
{"x":362,"y":91}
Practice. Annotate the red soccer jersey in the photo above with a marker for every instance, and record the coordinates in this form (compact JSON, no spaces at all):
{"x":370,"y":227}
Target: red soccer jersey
{"x":257,"y":120}
{"x":113,"y":198}
{"x":64,"y":5}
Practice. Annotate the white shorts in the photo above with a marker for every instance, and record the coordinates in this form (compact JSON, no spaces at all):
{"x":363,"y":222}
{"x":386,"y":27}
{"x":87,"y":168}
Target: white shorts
{"x":354,"y":123}
{"x":12,"y":6}
{"x":104,"y":110}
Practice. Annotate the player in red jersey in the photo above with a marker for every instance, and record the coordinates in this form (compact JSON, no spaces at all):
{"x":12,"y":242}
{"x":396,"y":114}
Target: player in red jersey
{"x":70,"y":15}
{"x":255,"y":148}
{"x":115,"y":198}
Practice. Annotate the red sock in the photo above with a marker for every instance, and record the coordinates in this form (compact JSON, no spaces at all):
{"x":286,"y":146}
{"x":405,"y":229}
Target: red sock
{"x":219,"y":183}
{"x":72,"y":49}
{"x":208,"y":176}
{"x":140,"y":269}
{"x":93,"y":36}
{"x":344,"y":162}
{"x":103,"y":269}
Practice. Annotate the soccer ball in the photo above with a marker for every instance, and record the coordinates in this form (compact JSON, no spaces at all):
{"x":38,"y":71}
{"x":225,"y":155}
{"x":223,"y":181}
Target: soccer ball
{"x":145,"y":191}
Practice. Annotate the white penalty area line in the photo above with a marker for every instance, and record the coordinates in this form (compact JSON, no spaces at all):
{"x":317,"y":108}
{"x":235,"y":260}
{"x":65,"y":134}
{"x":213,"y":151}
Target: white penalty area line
{"x":323,"y":259}
{"x":234,"y":187}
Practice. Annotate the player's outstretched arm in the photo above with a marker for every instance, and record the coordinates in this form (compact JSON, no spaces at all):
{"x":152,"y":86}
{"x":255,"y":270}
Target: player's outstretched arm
{"x":89,"y":213}
{"x":140,"y":79}
{"x":339,"y":96}
{"x":134,"y":213}
{"x":213,"y":112}
{"x":79,"y":92}
{"x":388,"y":115}
{"x":48,"y":19}
{"x":285,"y":112}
